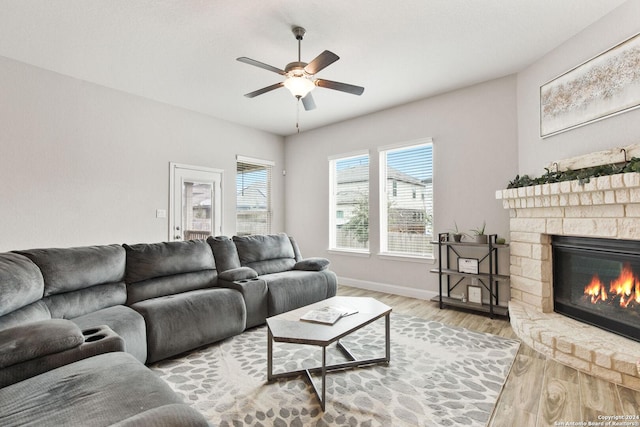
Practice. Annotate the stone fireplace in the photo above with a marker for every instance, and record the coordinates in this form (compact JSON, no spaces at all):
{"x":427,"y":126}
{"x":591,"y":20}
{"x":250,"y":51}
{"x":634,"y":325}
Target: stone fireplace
{"x":606,"y":207}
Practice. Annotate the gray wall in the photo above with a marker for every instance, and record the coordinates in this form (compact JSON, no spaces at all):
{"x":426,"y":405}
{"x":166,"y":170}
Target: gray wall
{"x":474,"y":136}
{"x":81,"y":164}
{"x":535,"y":153}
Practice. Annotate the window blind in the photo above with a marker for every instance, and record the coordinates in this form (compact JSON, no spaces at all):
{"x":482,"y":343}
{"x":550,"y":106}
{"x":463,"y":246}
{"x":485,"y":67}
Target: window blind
{"x":253,"y":196}
{"x":407,"y":199}
{"x":350,"y":203}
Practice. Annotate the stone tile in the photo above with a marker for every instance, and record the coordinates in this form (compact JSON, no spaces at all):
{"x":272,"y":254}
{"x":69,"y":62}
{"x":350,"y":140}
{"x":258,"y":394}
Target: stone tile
{"x":617,"y":181}
{"x":564,"y":344}
{"x":622,"y":196}
{"x":603,"y":182}
{"x":626,"y":363}
{"x":631,"y":179}
{"x":573,"y":361}
{"x":607,"y":374}
{"x":603,"y":358}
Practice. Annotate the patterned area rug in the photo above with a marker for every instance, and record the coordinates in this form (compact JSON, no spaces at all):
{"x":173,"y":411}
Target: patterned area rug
{"x":438,"y":375}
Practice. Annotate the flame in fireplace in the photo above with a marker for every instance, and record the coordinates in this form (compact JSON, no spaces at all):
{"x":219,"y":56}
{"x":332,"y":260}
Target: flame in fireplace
{"x":596,"y":290}
{"x":626,"y":287}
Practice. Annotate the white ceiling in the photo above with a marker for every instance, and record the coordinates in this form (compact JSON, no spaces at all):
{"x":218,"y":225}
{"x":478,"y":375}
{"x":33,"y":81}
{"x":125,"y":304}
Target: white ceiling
{"x":183,"y":52}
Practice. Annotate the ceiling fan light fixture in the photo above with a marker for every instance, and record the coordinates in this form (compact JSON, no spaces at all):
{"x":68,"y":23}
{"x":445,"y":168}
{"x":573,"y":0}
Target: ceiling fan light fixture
{"x":299,"y":86}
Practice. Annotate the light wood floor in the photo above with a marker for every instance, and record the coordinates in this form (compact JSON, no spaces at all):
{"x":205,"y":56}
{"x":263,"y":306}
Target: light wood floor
{"x":539,"y":391}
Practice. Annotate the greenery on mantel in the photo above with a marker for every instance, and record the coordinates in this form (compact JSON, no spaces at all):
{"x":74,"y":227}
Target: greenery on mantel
{"x":582,"y":175}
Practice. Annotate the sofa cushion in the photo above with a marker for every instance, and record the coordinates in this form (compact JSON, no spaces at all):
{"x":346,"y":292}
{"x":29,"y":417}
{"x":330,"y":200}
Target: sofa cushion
{"x":312,"y":264}
{"x":96,"y":391}
{"x":224,"y":252}
{"x":70,"y":269}
{"x":297,"y":288}
{"x":31,"y":313}
{"x":241,"y":273}
{"x":266,"y":254}
{"x":296,"y":248}
{"x":148,"y":261}
{"x":181,"y":322}
{"x":37,"y":339}
{"x":166,"y":416}
{"x":83,"y":301}
{"x":169,"y":285}
{"x":21,"y":282}
{"x":125,"y":322}
{"x":96,"y":341}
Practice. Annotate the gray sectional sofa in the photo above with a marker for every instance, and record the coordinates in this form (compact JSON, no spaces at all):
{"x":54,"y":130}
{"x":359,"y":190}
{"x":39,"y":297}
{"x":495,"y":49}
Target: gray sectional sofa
{"x":78,"y":324}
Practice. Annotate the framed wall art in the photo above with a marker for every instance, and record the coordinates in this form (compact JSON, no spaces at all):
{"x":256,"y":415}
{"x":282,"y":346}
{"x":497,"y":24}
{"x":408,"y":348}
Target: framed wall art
{"x":601,"y":87}
{"x":468,"y":265}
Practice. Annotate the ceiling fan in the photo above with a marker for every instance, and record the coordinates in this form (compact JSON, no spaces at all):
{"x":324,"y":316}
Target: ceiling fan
{"x":300,"y":77}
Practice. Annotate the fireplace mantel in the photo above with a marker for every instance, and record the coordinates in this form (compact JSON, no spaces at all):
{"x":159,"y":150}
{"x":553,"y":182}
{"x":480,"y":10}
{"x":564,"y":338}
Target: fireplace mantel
{"x":607,"y":206}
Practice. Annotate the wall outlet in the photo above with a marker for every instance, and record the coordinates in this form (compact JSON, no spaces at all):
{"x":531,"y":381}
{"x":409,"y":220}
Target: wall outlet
{"x":161,"y":213}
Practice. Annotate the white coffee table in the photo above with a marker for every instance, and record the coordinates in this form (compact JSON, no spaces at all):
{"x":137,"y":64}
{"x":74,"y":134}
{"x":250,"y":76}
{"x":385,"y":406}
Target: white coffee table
{"x":287,"y":327}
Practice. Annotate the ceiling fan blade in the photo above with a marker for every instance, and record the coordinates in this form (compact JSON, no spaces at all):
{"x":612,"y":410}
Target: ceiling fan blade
{"x":342,"y":87}
{"x":321,"y":61}
{"x":260,"y":65}
{"x":264,"y":90}
{"x":308,"y":102}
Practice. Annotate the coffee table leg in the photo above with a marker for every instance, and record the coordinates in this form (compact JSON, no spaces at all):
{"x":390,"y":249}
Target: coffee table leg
{"x":387,"y":335}
{"x":324,"y":376}
{"x":269,"y":355}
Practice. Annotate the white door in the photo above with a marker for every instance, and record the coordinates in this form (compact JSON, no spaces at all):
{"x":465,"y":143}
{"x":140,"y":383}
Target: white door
{"x":196,"y":202}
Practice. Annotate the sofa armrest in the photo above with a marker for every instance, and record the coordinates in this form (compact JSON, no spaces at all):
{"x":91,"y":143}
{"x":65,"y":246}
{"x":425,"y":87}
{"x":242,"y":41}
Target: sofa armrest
{"x":34,"y":359}
{"x":253,"y":289}
{"x":312,"y":264}
{"x":236,"y":274}
{"x":37,"y":339}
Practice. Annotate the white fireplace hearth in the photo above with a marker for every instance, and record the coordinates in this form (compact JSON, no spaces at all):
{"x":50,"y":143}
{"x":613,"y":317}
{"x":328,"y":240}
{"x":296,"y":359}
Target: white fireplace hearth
{"x":605,"y":207}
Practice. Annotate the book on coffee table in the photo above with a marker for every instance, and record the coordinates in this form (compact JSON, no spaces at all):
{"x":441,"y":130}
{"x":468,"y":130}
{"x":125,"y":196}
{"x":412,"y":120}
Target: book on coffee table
{"x":327,"y":315}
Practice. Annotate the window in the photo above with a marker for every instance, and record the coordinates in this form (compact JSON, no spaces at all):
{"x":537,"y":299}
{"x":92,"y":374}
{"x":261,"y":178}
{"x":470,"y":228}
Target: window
{"x":406,"y":220}
{"x":349,"y":180}
{"x":253,"y":196}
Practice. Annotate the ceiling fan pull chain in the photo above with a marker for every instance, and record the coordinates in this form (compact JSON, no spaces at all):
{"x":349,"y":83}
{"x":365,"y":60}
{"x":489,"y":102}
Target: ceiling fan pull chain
{"x":298,"y":115}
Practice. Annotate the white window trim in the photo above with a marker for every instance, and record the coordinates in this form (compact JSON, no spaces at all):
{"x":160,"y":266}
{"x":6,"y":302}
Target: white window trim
{"x":405,"y":144}
{"x":245,"y":159}
{"x":382,"y":197}
{"x":332,"y":202}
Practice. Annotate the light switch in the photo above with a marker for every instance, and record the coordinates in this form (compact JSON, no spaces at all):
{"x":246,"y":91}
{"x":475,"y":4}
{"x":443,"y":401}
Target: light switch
{"x":161,"y":213}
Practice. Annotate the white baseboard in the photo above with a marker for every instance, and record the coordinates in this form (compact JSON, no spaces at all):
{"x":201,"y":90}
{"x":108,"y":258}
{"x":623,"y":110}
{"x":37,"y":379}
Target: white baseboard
{"x":387,"y":288}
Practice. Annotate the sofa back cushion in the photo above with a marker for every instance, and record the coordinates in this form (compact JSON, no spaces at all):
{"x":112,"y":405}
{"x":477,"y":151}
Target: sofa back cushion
{"x":21,"y":290}
{"x":159,"y":269}
{"x":81,"y":280}
{"x":266,"y":254}
{"x":21,"y":282}
{"x":224,"y":252}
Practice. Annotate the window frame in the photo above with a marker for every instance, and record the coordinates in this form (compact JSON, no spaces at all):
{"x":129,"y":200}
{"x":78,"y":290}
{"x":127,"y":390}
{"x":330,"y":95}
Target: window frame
{"x":333,"y":202}
{"x":383,"y":196}
{"x":269,"y":165}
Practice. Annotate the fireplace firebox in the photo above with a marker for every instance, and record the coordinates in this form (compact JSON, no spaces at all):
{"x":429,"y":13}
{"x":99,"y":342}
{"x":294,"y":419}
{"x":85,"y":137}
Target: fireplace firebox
{"x":597,"y":281}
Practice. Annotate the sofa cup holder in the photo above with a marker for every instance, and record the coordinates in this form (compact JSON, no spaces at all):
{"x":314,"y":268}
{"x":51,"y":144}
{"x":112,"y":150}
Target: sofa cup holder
{"x":94,"y":334}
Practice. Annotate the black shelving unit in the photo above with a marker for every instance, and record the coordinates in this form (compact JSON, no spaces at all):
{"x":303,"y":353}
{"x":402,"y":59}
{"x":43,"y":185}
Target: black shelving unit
{"x":487,"y":276}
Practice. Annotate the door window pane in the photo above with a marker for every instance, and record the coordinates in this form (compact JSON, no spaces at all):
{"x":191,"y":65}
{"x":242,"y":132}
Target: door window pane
{"x":197,"y":210}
